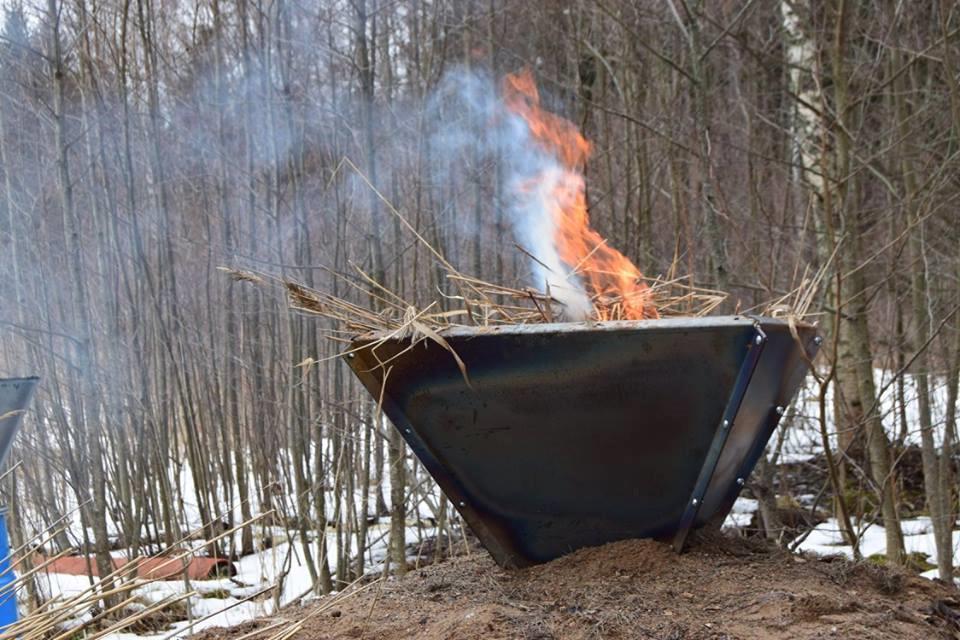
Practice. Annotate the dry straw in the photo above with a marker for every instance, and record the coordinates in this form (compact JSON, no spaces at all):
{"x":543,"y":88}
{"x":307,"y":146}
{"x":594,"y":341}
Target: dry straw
{"x":477,"y":302}
{"x":108,"y":605}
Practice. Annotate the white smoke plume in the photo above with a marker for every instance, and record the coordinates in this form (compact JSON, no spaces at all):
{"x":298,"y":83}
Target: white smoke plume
{"x":532,"y":176}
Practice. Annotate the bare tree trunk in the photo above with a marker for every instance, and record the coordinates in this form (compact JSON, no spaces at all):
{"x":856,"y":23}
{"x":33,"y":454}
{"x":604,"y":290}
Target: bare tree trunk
{"x":859,"y":388}
{"x":87,"y":412}
{"x":936,"y":504}
{"x":700,"y":89}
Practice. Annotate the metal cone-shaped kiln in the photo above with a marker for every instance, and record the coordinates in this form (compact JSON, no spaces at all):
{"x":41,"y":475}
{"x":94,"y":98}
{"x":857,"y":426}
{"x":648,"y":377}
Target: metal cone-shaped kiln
{"x":569,"y":435}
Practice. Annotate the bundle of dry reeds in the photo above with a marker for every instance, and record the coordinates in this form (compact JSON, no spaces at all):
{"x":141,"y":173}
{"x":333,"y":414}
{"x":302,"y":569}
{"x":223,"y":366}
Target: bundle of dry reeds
{"x":476,"y":302}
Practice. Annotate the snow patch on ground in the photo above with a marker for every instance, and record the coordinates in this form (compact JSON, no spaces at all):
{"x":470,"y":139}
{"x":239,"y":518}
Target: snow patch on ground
{"x":826,"y":539}
{"x":264,"y":580}
{"x":742,"y":513}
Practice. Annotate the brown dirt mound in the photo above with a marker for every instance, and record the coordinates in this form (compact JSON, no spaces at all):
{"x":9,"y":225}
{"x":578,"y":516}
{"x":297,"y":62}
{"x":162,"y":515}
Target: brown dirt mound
{"x":721,"y":588}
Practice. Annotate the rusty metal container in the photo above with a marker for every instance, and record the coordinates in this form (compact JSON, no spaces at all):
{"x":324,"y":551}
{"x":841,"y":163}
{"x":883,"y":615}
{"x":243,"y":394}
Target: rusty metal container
{"x":577,"y":434}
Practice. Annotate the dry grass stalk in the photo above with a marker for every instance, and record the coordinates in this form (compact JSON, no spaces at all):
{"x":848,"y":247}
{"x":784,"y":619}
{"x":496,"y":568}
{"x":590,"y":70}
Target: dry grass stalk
{"x":294,"y":627}
{"x":83,"y":614}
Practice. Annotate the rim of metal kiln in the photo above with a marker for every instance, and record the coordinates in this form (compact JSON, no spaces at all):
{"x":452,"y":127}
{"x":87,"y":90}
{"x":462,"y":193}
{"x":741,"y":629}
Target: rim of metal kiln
{"x":680,"y":323}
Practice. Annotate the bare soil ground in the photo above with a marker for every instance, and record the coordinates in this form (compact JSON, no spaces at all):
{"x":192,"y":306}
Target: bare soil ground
{"x":720,"y":588}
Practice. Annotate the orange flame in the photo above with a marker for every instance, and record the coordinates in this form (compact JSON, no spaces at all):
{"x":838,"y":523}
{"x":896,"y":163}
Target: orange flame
{"x":615,"y":285}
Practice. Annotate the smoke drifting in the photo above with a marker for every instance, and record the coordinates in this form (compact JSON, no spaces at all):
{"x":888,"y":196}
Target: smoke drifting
{"x":543,"y":156}
{"x":534,"y":176}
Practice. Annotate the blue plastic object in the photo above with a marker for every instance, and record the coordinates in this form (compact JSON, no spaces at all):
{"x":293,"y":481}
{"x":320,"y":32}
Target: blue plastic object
{"x":15,"y":396}
{"x":8,"y":593}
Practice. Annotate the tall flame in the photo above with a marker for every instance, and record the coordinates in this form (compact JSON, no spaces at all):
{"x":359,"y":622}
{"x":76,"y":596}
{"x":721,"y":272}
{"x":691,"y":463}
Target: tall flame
{"x":614,"y":285}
